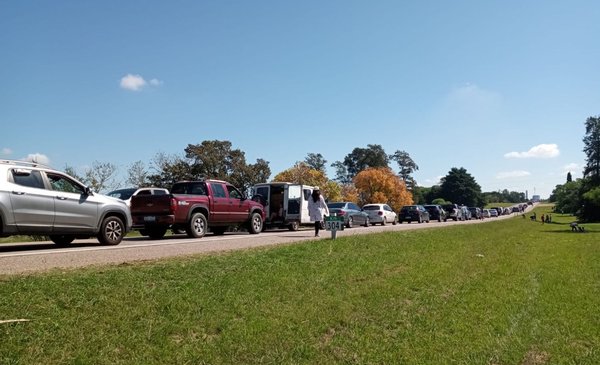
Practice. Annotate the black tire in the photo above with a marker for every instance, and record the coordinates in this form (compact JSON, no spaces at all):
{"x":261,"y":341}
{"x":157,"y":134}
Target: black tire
{"x":367,"y":222}
{"x":197,"y":226}
{"x":218,"y":231}
{"x":440,"y":219}
{"x":62,"y":239}
{"x":256,"y":224}
{"x":112,"y":231}
{"x":384,"y":221}
{"x":294,"y":226}
{"x":419,"y":220}
{"x":350,"y":222}
{"x":157,"y":233}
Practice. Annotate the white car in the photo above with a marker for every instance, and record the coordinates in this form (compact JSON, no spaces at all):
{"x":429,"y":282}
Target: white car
{"x":126,"y":194}
{"x":380,"y":213}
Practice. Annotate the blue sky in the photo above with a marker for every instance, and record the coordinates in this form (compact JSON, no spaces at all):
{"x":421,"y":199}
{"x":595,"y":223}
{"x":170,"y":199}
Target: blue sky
{"x":501,"y":88}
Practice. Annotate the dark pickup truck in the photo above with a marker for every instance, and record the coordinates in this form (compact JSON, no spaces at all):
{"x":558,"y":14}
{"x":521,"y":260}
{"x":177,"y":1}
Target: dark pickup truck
{"x":195,"y":206}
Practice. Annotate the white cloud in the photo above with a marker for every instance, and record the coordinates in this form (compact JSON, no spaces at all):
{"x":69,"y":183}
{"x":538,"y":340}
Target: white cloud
{"x":133,"y":82}
{"x":6,"y":151}
{"x":137,"y":82}
{"x":539,"y":151}
{"x":37,"y":157}
{"x":512,"y":174}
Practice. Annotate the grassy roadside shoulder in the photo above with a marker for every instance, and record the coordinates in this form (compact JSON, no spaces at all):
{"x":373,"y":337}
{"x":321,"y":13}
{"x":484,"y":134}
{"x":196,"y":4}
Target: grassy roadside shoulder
{"x":507,"y":292}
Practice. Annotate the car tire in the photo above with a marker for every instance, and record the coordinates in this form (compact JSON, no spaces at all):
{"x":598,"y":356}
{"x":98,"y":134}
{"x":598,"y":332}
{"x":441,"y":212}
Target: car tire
{"x":294,"y":226}
{"x":62,"y":239}
{"x":419,"y":220}
{"x":218,"y":231}
{"x":367,"y":222}
{"x":112,"y":231}
{"x":350,"y":222}
{"x":157,"y":233}
{"x":197,"y":226}
{"x":394,"y":222}
{"x":256,"y":223}
{"x":384,"y":221}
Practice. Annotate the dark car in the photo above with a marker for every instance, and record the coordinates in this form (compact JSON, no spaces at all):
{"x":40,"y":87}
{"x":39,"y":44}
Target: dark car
{"x":416,"y":213}
{"x":476,"y":213}
{"x":436,"y":212}
{"x":351,"y":212}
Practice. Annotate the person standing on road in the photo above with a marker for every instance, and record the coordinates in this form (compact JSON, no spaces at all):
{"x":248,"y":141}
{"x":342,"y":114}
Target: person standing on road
{"x":317,"y":209}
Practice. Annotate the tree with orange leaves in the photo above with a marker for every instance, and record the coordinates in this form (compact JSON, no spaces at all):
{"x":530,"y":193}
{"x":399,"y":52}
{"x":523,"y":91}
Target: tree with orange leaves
{"x":381,"y":185}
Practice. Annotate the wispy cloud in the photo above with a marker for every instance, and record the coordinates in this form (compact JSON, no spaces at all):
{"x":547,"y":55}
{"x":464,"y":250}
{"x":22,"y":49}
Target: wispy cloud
{"x":512,"y":174}
{"x":539,"y":151}
{"x":6,"y":151}
{"x":471,"y":103}
{"x":37,"y":157}
{"x":137,"y":82}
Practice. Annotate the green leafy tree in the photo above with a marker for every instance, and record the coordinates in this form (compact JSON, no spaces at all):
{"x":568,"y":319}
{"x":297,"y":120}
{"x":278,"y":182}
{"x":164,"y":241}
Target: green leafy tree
{"x":590,"y":209}
{"x":567,"y":198}
{"x":592,"y":150}
{"x":217,"y":160}
{"x":461,"y":188}
{"x":360,"y":159}
{"x":316,"y":161}
{"x":406,"y":167}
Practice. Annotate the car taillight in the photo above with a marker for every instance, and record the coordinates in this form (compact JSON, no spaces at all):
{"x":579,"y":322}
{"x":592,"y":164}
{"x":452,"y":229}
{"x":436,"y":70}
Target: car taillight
{"x":173,"y":205}
{"x":380,"y":213}
{"x":341,"y":212}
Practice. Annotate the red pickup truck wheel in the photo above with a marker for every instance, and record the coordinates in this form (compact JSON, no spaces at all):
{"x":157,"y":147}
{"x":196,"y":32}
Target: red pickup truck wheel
{"x":256,"y":223}
{"x":197,"y":226}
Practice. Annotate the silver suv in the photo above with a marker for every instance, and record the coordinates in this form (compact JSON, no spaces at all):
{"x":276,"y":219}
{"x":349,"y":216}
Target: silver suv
{"x":37,"y":200}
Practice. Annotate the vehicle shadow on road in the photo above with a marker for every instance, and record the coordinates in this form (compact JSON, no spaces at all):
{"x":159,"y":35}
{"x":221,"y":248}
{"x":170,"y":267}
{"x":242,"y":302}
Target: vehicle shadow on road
{"x":42,"y":246}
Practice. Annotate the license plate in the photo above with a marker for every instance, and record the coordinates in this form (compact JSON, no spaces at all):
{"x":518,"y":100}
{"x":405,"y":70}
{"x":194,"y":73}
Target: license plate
{"x":149,"y":219}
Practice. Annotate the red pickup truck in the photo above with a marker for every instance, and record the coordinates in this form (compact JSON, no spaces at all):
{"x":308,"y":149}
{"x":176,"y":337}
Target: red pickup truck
{"x":195,"y":206}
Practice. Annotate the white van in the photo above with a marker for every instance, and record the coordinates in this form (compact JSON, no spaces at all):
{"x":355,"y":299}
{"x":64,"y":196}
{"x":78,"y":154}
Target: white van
{"x":286,"y":204}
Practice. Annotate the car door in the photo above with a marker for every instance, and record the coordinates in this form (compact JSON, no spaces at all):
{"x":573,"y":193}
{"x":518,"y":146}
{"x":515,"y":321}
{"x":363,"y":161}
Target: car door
{"x":32,"y":204}
{"x":220,"y":208}
{"x":238,"y":207}
{"x":75,"y":211}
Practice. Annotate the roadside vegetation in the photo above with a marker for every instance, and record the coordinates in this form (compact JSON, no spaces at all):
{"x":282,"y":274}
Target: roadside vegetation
{"x":507,"y":292}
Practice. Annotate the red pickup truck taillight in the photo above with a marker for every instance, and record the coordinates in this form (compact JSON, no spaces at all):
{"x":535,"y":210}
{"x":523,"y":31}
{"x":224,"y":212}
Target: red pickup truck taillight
{"x":173,"y":205}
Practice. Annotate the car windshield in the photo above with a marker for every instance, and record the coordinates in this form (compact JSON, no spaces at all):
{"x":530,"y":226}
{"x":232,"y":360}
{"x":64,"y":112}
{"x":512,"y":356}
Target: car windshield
{"x":122,"y":194}
{"x":371,"y":207}
{"x":336,"y":205}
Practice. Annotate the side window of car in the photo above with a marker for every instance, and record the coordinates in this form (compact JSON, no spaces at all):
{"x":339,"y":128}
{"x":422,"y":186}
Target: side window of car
{"x":64,"y":184}
{"x":29,"y":178}
{"x":353,"y":206}
{"x":218,"y":191}
{"x":233,"y":192}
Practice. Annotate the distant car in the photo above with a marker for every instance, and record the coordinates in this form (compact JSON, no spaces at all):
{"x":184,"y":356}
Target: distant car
{"x":380,"y":213}
{"x":351,"y":212}
{"x":453,"y":211}
{"x":493,"y":213}
{"x":127,"y":193}
{"x":475,"y":213}
{"x":486,"y":213}
{"x":436,"y":212}
{"x":416,"y":213}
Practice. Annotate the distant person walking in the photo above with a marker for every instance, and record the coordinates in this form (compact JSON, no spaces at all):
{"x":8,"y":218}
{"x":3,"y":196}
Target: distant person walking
{"x":543,"y":219}
{"x":317,"y":209}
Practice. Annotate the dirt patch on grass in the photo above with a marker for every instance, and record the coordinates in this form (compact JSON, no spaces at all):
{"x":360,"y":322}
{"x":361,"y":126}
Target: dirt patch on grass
{"x":533,"y":357}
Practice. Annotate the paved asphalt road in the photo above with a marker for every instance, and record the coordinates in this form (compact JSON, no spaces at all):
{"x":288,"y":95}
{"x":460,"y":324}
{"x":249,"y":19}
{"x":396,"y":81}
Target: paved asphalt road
{"x":22,"y":258}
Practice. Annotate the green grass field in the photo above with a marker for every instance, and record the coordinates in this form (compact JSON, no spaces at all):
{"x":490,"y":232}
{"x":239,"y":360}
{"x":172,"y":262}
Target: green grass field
{"x":506,"y":292}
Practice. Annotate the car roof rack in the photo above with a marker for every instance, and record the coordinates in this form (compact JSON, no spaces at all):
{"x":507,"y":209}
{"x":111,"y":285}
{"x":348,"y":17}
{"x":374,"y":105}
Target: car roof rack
{"x":24,"y":163}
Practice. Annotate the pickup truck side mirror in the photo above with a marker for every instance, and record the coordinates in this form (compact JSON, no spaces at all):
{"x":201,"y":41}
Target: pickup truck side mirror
{"x":88,"y":191}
